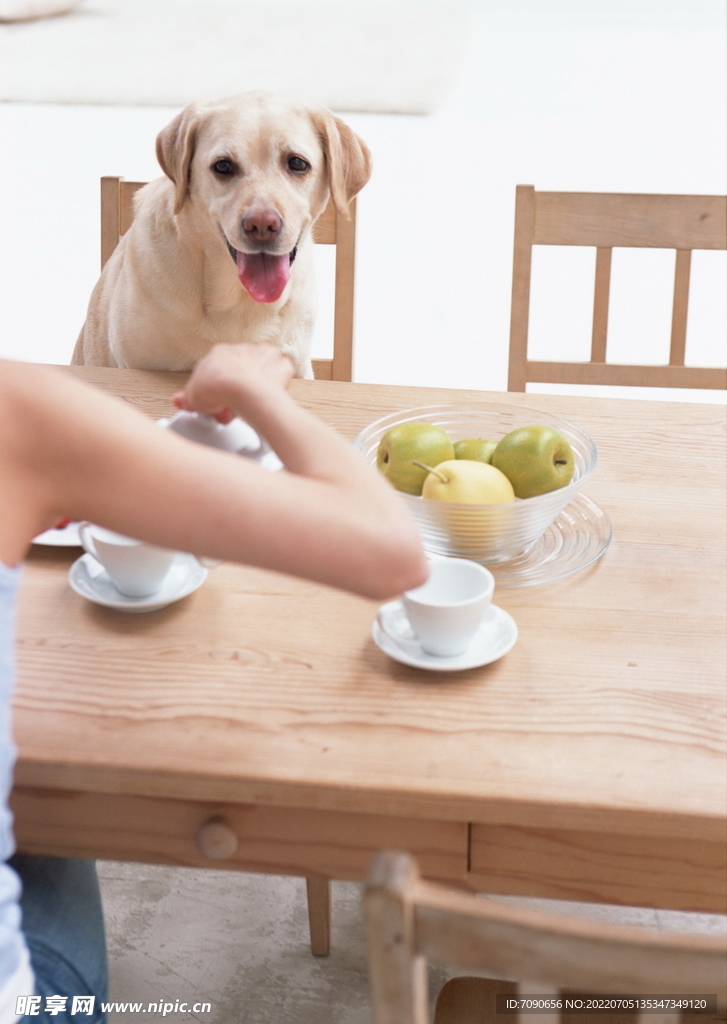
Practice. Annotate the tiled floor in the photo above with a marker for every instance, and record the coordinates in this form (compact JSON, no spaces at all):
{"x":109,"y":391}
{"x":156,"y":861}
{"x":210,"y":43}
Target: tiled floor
{"x":241,"y":943}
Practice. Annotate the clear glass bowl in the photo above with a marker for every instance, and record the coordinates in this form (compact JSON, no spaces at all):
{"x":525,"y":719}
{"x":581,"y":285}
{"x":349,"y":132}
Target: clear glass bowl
{"x":485,"y":533}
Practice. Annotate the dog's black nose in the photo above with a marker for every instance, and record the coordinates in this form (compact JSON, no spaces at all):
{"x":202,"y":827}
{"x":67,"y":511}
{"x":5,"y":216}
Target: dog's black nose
{"x":262,"y":225}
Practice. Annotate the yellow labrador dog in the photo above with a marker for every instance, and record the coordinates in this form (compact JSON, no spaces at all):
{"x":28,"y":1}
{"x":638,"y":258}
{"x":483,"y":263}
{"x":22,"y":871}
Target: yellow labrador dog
{"x":220,"y":250}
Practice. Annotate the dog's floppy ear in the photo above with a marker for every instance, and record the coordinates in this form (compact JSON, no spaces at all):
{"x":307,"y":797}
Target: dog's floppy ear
{"x":175,"y":148}
{"x":347,"y":156}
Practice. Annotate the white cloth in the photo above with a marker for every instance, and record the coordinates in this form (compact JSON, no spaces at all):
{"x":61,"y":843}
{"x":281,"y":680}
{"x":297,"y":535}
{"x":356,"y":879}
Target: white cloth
{"x":21,"y":983}
{"x":348,"y":56}
{"x":13,"y":951}
{"x":29,"y":10}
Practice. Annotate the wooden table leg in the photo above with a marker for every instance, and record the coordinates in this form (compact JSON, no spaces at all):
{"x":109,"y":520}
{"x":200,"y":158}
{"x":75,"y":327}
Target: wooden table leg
{"x":319,"y":915}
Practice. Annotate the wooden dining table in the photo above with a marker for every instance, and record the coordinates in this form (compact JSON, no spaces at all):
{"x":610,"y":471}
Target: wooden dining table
{"x":588,"y":763}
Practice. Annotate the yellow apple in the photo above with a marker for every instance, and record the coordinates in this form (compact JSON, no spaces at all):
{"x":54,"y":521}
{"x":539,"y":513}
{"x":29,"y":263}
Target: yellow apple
{"x":466,"y":482}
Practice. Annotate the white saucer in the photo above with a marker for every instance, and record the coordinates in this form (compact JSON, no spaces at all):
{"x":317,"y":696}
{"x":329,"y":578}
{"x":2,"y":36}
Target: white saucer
{"x":495,"y":637}
{"x":65,"y":538}
{"x":89,"y":579}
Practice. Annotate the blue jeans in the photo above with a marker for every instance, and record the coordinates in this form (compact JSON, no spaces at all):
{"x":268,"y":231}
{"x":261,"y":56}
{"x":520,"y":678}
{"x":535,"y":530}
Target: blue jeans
{"x":64,"y":930}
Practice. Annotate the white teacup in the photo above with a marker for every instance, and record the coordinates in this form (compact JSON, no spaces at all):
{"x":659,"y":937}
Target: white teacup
{"x":447,"y":610}
{"x":235,"y":436}
{"x":137,"y":569}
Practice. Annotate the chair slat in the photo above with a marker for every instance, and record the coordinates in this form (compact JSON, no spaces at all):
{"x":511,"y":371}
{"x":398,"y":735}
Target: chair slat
{"x":127,"y":191}
{"x":324,"y":229}
{"x":570,"y":953}
{"x":678,"y":342}
{"x":398,"y":975}
{"x":110,"y":217}
{"x":521,"y":273}
{"x":601,"y":295}
{"x":627,"y":375}
{"x":322,"y":369}
{"x":342,"y":366}
{"x":610,"y":219}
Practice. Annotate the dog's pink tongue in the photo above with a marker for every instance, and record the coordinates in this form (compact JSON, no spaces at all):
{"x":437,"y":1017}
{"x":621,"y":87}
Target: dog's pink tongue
{"x":264,"y":276}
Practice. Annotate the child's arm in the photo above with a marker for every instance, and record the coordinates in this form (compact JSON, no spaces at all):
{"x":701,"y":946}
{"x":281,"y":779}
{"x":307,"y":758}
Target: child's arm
{"x":67,"y":449}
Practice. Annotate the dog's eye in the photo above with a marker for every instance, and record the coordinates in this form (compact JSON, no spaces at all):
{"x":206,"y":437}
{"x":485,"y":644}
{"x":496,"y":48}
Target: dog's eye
{"x":223,"y":167}
{"x":298,"y":164}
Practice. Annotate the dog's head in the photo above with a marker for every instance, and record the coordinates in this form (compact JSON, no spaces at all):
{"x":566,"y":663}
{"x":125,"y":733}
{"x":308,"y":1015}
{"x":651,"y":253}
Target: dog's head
{"x":259,"y":169}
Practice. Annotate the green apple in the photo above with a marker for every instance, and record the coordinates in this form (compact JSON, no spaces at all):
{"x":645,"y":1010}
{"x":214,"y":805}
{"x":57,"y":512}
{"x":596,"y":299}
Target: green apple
{"x":535,"y":459}
{"x":407,"y":443}
{"x":475,"y":449}
{"x":466,"y":482}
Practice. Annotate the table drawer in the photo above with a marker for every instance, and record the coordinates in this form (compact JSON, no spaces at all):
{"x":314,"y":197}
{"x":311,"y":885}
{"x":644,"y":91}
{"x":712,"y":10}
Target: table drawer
{"x":599,"y":867}
{"x":277,"y":840}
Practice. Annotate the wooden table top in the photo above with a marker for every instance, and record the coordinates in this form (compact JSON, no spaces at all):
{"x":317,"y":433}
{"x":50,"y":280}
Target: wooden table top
{"x":608,"y":714}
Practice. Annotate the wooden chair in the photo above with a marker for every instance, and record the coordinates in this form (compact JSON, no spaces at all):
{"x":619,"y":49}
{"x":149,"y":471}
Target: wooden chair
{"x":605,"y":220}
{"x":117,"y":213}
{"x":410,"y":921}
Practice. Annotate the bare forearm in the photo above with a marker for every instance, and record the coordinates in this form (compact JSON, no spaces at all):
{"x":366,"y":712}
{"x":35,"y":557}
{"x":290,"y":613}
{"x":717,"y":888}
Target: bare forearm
{"x":152,"y":484}
{"x":250,"y":381}
{"x":366,"y":507}
{"x":80,"y":453}
{"x":303,"y":443}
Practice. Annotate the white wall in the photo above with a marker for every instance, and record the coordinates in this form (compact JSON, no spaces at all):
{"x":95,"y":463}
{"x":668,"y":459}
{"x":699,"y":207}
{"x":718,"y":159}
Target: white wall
{"x":601,"y":95}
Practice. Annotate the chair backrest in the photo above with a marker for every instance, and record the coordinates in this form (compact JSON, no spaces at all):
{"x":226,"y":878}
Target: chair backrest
{"x":117,"y":213}
{"x":606,"y":220}
{"x":410,"y":921}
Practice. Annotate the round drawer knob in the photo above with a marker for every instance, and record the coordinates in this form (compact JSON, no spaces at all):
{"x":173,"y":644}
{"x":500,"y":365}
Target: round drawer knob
{"x":216,"y":840}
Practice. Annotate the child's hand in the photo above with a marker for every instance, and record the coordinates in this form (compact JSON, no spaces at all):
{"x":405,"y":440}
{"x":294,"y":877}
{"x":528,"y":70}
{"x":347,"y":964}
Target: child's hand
{"x":223,"y":376}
